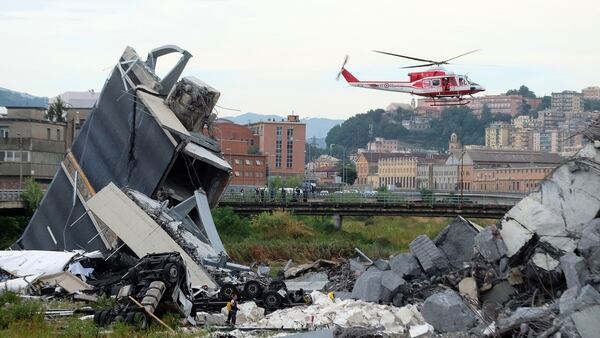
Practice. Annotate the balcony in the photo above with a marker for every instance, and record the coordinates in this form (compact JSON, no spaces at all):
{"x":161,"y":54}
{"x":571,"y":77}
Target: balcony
{"x":33,"y":144}
{"x":41,"y":170}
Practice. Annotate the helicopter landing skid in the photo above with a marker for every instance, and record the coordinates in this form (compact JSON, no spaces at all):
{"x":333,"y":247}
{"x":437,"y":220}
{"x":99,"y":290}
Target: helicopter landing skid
{"x":447,"y":102}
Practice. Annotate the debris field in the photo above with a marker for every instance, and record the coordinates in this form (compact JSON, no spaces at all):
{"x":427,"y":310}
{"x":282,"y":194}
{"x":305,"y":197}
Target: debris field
{"x":128,"y":216}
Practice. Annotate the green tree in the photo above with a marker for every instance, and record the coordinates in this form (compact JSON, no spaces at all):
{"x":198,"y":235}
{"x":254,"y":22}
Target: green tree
{"x":57,"y":111}
{"x":348,"y":173}
{"x":545,"y":103}
{"x":522,"y":91}
{"x":32,"y":195}
{"x":591,"y":105}
{"x":230,"y":224}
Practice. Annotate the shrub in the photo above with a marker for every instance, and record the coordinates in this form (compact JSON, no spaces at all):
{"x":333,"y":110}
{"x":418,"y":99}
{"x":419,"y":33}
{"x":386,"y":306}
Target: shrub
{"x":230,"y":224}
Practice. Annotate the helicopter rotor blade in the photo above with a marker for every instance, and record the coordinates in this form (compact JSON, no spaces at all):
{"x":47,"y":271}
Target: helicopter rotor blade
{"x":337,"y":78}
{"x":456,"y":57}
{"x":406,"y":57}
{"x":419,"y":66}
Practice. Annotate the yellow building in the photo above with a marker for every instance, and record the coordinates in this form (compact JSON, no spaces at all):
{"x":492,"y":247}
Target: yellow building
{"x":498,"y":135}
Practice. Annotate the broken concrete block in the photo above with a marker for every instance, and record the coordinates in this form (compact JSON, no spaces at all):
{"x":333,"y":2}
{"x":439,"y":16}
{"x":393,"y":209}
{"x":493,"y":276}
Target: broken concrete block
{"x":499,"y":294}
{"x":382,"y":264}
{"x":447,"y":312}
{"x":488,"y":246}
{"x":357,"y":266}
{"x":430,"y":257}
{"x":397,"y":300}
{"x":574,"y":269}
{"x":574,"y":299}
{"x":590,"y":238}
{"x":406,"y":265}
{"x":368,"y":286}
{"x":420,"y":330}
{"x":562,"y":205}
{"x":544,"y":261}
{"x":456,"y":241}
{"x":205,"y":318}
{"x":468,"y":288}
{"x":586,"y":321}
{"x":392,"y":281}
{"x":524,"y":315}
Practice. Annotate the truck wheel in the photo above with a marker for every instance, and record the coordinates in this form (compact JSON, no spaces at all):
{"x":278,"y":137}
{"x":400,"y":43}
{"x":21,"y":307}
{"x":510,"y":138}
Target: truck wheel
{"x":137,"y":319}
{"x":253,"y":289}
{"x":171,"y":273}
{"x":227,"y":291}
{"x":272,"y":300}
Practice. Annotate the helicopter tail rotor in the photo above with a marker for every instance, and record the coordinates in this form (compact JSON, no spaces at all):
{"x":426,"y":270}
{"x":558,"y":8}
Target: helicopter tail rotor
{"x":342,"y":69}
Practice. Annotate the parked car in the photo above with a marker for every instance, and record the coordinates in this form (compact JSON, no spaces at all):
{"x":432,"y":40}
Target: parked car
{"x":324,"y":193}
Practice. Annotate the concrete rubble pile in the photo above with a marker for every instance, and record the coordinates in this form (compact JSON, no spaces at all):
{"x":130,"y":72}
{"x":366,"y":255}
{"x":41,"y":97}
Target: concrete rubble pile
{"x":536,"y":272}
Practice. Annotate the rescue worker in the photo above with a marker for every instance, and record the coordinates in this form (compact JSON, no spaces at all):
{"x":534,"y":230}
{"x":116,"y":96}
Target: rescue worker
{"x":232,"y":309}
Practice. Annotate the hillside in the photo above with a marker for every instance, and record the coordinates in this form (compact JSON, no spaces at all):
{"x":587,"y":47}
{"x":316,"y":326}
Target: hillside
{"x":315,"y":126}
{"x":354,"y":132}
{"x":10,"y":98}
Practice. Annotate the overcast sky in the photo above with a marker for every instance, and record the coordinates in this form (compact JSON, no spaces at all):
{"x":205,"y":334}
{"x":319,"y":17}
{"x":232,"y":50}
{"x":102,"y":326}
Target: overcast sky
{"x":277,"y":56}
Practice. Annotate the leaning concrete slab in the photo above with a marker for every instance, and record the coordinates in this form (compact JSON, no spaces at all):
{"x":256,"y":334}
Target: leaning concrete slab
{"x":140,"y":232}
{"x":430,"y":257}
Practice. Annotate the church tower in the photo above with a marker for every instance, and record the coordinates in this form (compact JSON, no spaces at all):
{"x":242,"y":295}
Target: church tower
{"x":454,"y":144}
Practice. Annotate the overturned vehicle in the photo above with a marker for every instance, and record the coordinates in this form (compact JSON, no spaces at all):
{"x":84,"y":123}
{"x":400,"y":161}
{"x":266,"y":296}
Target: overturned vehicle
{"x":142,"y":174}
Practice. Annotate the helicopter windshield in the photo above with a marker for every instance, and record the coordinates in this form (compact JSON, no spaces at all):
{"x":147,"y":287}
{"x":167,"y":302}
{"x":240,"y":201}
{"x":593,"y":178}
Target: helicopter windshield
{"x":467,"y":80}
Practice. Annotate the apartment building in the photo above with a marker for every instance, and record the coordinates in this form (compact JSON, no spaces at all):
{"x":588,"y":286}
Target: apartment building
{"x":30,"y":146}
{"x":567,"y":100}
{"x":498,"y":135}
{"x":591,"y":93}
{"x":381,"y":145}
{"x":283,"y":144}
{"x":240,"y":148}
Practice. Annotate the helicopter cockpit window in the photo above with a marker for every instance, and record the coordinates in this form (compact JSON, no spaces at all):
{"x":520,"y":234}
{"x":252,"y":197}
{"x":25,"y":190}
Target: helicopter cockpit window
{"x":435,"y":82}
{"x":461,"y":81}
{"x":426,"y":83}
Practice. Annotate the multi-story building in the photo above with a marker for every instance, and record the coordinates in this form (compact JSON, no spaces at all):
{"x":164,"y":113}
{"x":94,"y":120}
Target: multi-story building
{"x":30,"y":146}
{"x":591,"y":93}
{"x":567,"y":100}
{"x":550,"y":118}
{"x":283,"y":143}
{"x":323,"y":161}
{"x":366,"y":168}
{"x":381,"y":145}
{"x":240,"y":147}
{"x":399,"y":170}
{"x":498,"y":135}
{"x":434,"y":174}
{"x":417,"y":123}
{"x":498,"y":104}
{"x":79,"y":105}
{"x":507,"y":171}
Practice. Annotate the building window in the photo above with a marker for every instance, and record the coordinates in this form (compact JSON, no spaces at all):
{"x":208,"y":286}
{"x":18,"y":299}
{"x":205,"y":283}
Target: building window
{"x":258,"y":162}
{"x":58,"y":134}
{"x":4,"y":132}
{"x":13,"y":156}
{"x":236,"y":161}
{"x":237,"y":173}
{"x":278,"y":141}
{"x":290,"y":147}
{"x":248,"y":162}
{"x":48,"y":133}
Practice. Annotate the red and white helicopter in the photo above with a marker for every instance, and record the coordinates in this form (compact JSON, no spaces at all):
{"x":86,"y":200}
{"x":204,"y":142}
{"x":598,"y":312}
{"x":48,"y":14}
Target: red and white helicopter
{"x":439,"y":86}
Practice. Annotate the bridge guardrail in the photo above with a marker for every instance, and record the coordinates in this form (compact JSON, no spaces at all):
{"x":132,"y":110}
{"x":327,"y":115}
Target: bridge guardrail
{"x":357,"y":198}
{"x":12,"y":195}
